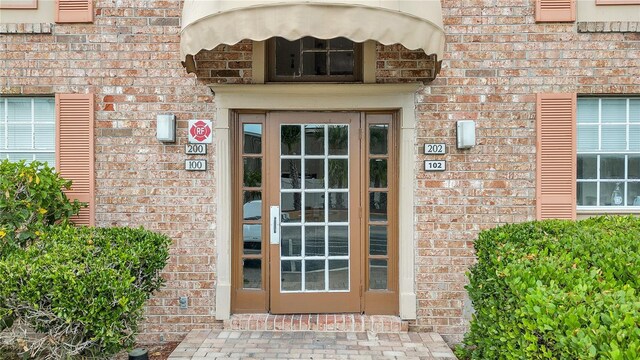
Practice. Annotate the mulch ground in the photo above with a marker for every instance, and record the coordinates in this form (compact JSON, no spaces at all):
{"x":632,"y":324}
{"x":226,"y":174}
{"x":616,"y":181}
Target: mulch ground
{"x":156,"y":351}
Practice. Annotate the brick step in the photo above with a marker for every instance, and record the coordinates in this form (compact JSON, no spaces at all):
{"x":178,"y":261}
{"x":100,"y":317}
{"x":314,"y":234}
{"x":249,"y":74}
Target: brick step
{"x":316,"y":322}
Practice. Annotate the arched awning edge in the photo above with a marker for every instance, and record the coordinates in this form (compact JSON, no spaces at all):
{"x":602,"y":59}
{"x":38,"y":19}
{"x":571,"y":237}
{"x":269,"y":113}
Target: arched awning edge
{"x":294,"y":21}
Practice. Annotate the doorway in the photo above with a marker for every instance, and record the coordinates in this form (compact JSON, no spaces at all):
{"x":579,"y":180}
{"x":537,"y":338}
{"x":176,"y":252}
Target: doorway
{"x":315,"y":213}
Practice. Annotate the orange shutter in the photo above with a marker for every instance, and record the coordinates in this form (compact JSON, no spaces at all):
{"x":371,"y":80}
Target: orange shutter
{"x":74,"y":11}
{"x":556,"y":156}
{"x":555,"y":10}
{"x":74,"y":149}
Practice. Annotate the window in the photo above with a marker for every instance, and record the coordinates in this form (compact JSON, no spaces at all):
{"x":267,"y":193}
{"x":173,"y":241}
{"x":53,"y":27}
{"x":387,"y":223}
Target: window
{"x":608,"y":152}
{"x":27,"y":129}
{"x":19,"y":4}
{"x":614,"y":15}
{"x":617,"y":2}
{"x":45,"y":12}
{"x":311,"y":59}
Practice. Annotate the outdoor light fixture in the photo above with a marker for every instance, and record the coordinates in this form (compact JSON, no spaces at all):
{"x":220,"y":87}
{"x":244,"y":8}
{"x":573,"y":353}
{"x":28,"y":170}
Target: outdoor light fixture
{"x":166,"y":128}
{"x":139,"y":354}
{"x":466,"y":134}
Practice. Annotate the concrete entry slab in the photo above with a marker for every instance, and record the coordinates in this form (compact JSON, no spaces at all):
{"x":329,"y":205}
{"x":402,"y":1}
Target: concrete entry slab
{"x":212,"y":344}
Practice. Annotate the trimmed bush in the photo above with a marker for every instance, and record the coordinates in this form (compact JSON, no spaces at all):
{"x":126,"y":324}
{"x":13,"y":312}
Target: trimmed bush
{"x":556,"y":290}
{"x":81,"y":289}
{"x":31,"y":195}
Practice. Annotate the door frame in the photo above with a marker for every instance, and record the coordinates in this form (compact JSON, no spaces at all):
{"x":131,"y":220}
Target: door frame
{"x":361,"y":295}
{"x":317,"y":97}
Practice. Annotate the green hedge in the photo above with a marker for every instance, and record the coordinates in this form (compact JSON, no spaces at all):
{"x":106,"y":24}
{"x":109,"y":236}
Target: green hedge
{"x":84,"y":288}
{"x":31,"y":195}
{"x":556,"y":290}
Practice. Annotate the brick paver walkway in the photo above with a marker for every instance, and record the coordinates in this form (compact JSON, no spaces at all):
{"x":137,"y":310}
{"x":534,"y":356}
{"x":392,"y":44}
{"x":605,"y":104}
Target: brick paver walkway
{"x":215,"y":344}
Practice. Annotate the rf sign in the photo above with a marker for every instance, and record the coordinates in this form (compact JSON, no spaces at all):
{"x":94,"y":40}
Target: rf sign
{"x":199,"y":131}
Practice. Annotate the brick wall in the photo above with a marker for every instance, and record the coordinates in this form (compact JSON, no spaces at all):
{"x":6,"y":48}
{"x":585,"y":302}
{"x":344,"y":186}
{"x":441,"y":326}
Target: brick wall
{"x":394,"y":64}
{"x":496,"y":59}
{"x":226,"y":64}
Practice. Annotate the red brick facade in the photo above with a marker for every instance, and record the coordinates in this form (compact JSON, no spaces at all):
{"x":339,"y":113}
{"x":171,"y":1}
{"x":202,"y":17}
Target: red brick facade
{"x":496,"y":60}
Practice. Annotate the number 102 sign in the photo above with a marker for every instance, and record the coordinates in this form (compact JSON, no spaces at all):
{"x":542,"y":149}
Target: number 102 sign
{"x":435,"y":165}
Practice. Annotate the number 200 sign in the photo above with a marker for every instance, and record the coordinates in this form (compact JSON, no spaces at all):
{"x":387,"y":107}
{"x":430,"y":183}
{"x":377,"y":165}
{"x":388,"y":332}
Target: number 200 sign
{"x":435,"y":165}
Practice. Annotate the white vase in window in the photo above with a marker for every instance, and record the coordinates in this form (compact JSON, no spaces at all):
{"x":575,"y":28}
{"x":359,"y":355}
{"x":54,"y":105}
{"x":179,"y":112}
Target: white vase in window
{"x":616,"y":196}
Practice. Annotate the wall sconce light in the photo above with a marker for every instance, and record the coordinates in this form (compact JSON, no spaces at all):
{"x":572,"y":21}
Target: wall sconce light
{"x":466,"y":134}
{"x":166,"y":128}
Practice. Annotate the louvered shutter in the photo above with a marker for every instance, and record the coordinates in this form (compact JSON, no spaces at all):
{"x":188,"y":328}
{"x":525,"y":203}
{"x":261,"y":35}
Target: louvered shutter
{"x":555,"y":10}
{"x":74,"y":11}
{"x":556,"y":156}
{"x":74,"y":149}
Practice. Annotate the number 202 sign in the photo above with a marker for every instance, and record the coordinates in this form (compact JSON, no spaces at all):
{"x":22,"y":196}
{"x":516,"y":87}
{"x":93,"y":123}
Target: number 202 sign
{"x":435,"y":165}
{"x":434,"y":149}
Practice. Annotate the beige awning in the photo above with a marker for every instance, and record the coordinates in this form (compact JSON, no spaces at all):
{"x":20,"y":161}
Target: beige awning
{"x":416,"y":24}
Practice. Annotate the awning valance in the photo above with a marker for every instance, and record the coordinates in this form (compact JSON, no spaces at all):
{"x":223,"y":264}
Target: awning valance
{"x":416,"y":24}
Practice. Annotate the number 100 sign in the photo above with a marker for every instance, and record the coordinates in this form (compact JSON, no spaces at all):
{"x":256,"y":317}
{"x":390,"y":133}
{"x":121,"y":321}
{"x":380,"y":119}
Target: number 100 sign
{"x":435,"y":165}
{"x":195,"y":165}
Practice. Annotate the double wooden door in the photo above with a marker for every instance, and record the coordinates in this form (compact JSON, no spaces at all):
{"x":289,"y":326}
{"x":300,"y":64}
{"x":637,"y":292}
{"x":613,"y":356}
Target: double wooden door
{"x":315,"y":215}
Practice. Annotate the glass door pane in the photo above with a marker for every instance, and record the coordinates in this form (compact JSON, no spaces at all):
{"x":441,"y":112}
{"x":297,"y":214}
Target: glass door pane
{"x":252,"y":192}
{"x":378,"y":191}
{"x":314,"y":187}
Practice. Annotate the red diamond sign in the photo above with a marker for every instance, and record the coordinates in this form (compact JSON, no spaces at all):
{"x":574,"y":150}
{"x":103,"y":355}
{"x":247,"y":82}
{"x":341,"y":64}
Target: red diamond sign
{"x":200,"y":132}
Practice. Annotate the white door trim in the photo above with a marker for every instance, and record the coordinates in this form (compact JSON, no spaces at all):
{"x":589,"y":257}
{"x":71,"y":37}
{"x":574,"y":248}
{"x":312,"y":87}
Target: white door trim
{"x":309,"y":97}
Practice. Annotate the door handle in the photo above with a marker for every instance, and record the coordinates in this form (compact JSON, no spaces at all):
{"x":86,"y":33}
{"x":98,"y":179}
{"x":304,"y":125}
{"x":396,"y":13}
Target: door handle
{"x":274,"y":234}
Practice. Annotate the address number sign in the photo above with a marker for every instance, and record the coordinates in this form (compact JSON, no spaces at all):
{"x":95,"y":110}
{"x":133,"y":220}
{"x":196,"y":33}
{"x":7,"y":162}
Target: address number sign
{"x":435,"y":165}
{"x":195,"y":165}
{"x":434,"y":149}
{"x":195,"y":149}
